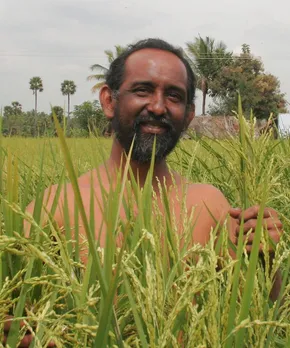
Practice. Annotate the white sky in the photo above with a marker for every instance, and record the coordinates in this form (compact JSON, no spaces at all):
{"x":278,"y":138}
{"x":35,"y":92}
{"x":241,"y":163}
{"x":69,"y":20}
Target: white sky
{"x":60,"y":39}
{"x":284,"y":123}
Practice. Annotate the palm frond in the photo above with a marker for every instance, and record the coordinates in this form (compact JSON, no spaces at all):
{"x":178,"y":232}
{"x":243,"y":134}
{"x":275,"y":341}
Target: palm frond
{"x":110,"y":55}
{"x":97,"y":86}
{"x":98,"y":66}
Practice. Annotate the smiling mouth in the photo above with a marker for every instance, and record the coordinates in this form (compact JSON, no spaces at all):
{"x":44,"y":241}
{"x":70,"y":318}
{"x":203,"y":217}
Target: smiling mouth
{"x":152,"y":128}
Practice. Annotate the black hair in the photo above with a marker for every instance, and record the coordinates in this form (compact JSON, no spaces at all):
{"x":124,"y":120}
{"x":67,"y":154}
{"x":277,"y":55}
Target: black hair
{"x":115,"y":74}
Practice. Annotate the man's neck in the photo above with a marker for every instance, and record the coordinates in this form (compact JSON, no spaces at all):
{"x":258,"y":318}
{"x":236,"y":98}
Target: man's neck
{"x":117,"y":161}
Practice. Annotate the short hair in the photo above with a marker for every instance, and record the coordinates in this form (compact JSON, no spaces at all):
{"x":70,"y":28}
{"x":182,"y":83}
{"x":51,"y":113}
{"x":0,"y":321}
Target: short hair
{"x":116,"y":71}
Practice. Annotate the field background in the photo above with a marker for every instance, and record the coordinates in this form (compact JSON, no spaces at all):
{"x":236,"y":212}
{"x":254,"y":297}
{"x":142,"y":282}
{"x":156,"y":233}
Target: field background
{"x":207,"y":161}
{"x":155,"y":304}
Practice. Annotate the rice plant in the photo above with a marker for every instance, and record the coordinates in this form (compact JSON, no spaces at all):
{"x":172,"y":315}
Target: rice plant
{"x":148,"y":292}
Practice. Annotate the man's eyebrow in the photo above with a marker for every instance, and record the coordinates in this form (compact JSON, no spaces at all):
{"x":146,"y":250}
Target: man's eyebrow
{"x":142,"y":83}
{"x":152,"y":84}
{"x":177,"y":88}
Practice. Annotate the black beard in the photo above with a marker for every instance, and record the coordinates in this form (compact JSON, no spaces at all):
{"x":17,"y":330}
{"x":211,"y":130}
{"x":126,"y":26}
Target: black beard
{"x":143,"y":142}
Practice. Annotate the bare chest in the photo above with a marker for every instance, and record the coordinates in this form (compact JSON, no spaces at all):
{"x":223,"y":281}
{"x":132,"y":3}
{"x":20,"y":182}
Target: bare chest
{"x":185,"y":215}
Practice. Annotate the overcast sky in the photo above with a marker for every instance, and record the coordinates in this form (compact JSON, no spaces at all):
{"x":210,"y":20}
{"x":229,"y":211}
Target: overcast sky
{"x":60,"y":39}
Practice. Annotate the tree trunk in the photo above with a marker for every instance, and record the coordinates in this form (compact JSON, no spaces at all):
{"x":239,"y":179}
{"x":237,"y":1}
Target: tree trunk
{"x":204,"y":90}
{"x":203,"y":102}
{"x":68,"y":108}
{"x":35,"y":106}
{"x":35,"y":112}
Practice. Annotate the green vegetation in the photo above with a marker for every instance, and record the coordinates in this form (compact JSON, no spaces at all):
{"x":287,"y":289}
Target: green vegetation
{"x":101,"y":75}
{"x":207,"y":58}
{"x":220,"y":75}
{"x":146,"y":294}
{"x":68,"y":88}
{"x":260,"y":91}
{"x":87,"y":117}
{"x":36,"y":85}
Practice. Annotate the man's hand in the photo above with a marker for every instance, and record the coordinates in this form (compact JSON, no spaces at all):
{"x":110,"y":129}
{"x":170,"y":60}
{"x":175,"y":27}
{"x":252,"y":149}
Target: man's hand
{"x":27,"y":339}
{"x":271,"y":222}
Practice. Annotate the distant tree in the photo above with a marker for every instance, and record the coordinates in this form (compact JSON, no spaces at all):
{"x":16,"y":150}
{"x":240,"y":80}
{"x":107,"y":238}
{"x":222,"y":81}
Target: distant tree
{"x":68,"y":88}
{"x":59,"y":113}
{"x":101,"y":70}
{"x":90,"y":117}
{"x":29,"y":126}
{"x":207,"y":57}
{"x":36,"y":86}
{"x":17,"y":107}
{"x":14,"y":109}
{"x":12,"y":119}
{"x":41,"y":128}
{"x":7,"y":111}
{"x":260,"y":92}
{"x":43,"y":124}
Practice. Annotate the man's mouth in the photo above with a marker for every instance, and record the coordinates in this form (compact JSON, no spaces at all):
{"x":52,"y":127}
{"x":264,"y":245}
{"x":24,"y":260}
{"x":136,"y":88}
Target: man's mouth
{"x":151,"y":128}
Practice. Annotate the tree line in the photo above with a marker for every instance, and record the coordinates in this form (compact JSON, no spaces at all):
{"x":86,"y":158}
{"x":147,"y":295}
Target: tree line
{"x":220,"y":75}
{"x":84,"y":119}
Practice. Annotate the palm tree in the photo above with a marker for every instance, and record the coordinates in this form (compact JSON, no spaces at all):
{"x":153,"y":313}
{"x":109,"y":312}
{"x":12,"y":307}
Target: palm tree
{"x":207,"y":58}
{"x":68,"y":88}
{"x":17,"y":107}
{"x":36,"y":85}
{"x":101,"y":75}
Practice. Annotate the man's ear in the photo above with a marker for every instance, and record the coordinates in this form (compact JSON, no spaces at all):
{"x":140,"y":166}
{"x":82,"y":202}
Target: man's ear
{"x":107,"y":101}
{"x":190,"y":115}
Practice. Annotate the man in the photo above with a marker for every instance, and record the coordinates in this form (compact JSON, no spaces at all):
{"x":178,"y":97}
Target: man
{"x":149,"y":93}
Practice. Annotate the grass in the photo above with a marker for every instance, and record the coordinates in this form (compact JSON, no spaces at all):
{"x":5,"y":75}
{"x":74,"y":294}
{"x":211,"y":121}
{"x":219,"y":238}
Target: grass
{"x":144,"y":294}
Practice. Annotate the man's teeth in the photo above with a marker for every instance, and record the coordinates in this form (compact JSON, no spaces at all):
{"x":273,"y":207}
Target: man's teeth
{"x":153,"y":127}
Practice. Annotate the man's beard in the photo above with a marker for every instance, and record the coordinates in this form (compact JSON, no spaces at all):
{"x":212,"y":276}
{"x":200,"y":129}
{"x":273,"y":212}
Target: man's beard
{"x":143,"y":142}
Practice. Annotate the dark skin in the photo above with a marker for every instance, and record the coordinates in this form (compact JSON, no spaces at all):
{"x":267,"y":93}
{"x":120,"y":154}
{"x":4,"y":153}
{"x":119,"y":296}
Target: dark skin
{"x":274,"y":227}
{"x":27,"y":339}
{"x":155,"y":82}
{"x":270,"y":221}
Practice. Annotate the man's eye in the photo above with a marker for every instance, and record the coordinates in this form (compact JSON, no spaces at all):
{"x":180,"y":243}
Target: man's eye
{"x":142,"y":91}
{"x":174,"y":97}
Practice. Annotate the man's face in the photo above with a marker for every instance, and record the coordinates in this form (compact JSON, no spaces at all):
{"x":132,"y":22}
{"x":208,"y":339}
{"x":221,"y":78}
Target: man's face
{"x":151,"y":102}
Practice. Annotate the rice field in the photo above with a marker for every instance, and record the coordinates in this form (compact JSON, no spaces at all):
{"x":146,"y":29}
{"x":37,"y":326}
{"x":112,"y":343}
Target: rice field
{"x":142,"y":295}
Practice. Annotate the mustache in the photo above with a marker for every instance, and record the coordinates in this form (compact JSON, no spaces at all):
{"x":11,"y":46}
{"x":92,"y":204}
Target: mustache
{"x":158,"y":121}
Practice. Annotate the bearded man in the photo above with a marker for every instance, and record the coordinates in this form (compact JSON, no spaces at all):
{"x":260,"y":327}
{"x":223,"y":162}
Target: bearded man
{"x":149,"y":94}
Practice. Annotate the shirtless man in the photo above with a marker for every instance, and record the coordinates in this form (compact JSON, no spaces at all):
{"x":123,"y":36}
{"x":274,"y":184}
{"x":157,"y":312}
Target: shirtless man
{"x":149,"y":92}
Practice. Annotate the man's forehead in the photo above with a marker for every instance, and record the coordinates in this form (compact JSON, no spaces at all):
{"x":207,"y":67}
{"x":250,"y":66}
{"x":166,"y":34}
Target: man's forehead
{"x":155,"y":62}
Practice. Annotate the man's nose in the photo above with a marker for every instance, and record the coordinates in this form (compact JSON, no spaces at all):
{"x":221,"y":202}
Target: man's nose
{"x":157,"y":104}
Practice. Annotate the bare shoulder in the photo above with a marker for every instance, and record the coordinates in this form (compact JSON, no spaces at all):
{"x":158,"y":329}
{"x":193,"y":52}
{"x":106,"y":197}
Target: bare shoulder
{"x":205,"y":190}
{"x":84,"y":184}
{"x":56,"y":192}
{"x":208,"y":197}
{"x":57,"y":195}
